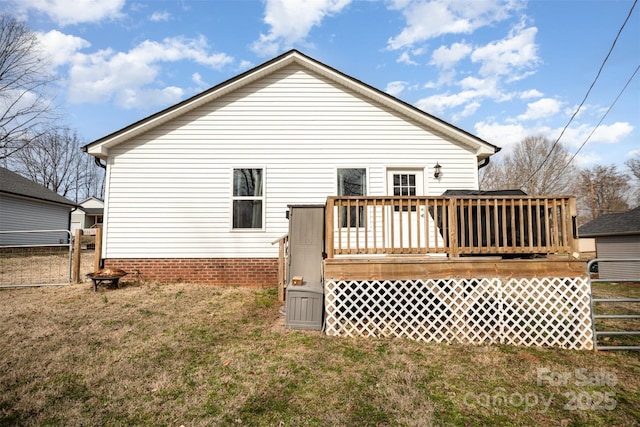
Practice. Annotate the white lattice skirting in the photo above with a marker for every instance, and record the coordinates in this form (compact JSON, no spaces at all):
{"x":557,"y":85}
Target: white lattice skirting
{"x":525,"y":312}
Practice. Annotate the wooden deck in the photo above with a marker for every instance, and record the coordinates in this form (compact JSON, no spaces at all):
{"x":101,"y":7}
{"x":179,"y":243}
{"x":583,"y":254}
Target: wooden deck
{"x":467,"y":237}
{"x":421,"y":267}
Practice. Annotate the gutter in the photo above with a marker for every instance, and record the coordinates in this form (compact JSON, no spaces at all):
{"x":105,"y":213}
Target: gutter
{"x":484,"y":163}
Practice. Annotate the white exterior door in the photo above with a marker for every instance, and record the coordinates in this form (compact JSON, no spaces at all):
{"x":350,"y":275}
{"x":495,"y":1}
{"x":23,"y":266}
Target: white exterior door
{"x":404,"y":229}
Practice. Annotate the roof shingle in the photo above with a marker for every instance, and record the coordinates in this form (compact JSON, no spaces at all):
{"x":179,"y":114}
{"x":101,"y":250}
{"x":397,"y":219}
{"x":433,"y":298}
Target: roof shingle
{"x":613,"y":224}
{"x":12,"y":183}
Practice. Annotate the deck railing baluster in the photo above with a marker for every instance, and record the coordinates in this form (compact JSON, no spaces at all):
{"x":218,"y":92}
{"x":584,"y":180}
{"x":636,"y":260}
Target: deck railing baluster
{"x":451,"y":225}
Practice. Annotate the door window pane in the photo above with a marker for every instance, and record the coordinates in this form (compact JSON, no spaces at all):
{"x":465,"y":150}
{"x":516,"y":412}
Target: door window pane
{"x":404,"y":184}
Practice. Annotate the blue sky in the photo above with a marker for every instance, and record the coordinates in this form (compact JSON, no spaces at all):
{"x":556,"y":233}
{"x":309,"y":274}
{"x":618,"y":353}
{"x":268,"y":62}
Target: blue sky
{"x":501,"y":69}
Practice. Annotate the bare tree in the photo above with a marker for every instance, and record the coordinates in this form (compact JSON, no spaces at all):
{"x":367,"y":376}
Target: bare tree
{"x":24,"y":104}
{"x":90,"y":182}
{"x":601,"y":190}
{"x":634,"y":167}
{"x":525,"y":168}
{"x":56,"y":161}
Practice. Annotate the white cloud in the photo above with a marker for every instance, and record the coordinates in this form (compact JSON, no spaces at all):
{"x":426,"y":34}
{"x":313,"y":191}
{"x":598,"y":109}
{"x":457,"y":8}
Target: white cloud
{"x":129,"y":77}
{"x":502,"y":135}
{"x":197,"y":79}
{"x":474,"y":91}
{"x":531,"y":93}
{"x":136,"y":98}
{"x":437,"y":104}
{"x":545,"y":107}
{"x":611,"y":134}
{"x":395,"y":88}
{"x":508,"y":134}
{"x":469,"y":110}
{"x":506,"y":57}
{"x":476,"y":83}
{"x":244,"y":65}
{"x":634,"y":153}
{"x":291,"y":21}
{"x":163,"y":16}
{"x":59,"y":47}
{"x":428,"y":19}
{"x":405,"y":58}
{"x":447,"y":57}
{"x":68,"y":12}
{"x":583,"y":159}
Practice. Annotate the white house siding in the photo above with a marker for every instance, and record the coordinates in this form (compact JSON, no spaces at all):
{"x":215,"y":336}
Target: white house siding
{"x":169,"y":189}
{"x":21,"y":214}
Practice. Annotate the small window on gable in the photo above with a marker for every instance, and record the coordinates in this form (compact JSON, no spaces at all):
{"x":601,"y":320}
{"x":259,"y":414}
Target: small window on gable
{"x":352,"y":182}
{"x":248,"y":198}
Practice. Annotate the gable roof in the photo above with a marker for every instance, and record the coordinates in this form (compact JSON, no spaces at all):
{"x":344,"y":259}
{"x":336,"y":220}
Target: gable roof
{"x":17,"y":185}
{"x":89,"y":199}
{"x":100,"y":147}
{"x":624,"y":223}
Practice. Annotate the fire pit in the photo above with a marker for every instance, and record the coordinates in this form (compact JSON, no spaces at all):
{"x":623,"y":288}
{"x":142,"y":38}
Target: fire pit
{"x":106,"y":276}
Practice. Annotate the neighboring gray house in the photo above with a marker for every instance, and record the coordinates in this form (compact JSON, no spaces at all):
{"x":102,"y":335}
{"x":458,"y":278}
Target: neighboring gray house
{"x":25,"y":205}
{"x":616,"y":236}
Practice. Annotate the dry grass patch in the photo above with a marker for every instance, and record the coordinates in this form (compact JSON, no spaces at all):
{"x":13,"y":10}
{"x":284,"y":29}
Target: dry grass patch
{"x":193,"y":355}
{"x":617,"y":290}
{"x":26,"y":266}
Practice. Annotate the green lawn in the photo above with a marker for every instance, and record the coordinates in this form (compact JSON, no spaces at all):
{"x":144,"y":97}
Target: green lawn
{"x":194,"y":355}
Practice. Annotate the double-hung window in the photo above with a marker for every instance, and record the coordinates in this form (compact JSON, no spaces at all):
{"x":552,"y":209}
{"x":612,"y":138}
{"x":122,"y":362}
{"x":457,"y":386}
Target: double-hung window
{"x":352,"y":182}
{"x":248,"y":198}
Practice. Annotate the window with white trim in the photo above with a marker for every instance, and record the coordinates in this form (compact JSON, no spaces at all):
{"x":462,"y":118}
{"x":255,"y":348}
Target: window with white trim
{"x":248,"y":198}
{"x":352,"y":182}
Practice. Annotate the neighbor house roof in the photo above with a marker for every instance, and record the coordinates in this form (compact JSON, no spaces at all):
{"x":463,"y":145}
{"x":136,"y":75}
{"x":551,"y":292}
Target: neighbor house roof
{"x":17,"y":185}
{"x":613,"y":224}
{"x":100,"y":147}
{"x":93,"y":211}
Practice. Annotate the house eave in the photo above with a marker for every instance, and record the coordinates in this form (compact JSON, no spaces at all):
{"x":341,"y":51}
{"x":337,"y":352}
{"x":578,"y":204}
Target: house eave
{"x":610,"y":234}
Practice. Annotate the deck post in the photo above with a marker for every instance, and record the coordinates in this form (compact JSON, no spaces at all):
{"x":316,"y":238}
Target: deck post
{"x":281,"y":270}
{"x":573,"y":214}
{"x":77,"y":254}
{"x":329,"y":232}
{"x":452,"y":219}
{"x":97,"y":256}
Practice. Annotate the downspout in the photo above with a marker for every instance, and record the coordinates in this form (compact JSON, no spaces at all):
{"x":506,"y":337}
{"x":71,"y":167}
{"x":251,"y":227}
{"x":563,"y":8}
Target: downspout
{"x":484,"y":163}
{"x":75,"y":208}
{"x":99,"y":163}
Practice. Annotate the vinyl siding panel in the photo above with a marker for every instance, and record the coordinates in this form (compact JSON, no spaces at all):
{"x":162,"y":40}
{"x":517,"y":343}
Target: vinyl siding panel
{"x":20,"y":214}
{"x":169,"y":190}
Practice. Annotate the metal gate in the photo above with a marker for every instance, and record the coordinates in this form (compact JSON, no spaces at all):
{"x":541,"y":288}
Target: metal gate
{"x":629,"y":305}
{"x":35,"y":258}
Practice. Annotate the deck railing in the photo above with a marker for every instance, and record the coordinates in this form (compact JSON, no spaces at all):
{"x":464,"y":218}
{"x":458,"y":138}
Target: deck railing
{"x":469,"y":225}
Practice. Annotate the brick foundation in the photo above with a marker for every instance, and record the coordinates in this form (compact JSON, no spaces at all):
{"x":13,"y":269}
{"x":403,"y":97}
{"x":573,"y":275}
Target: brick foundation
{"x":252,"y":272}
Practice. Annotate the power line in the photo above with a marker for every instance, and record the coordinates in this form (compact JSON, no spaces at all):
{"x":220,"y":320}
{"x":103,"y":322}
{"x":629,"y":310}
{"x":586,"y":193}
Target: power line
{"x":555,"y":143}
{"x":601,"y":120}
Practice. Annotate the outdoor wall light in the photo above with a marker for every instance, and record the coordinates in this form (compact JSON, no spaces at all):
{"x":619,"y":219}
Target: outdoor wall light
{"x":437,"y":170}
